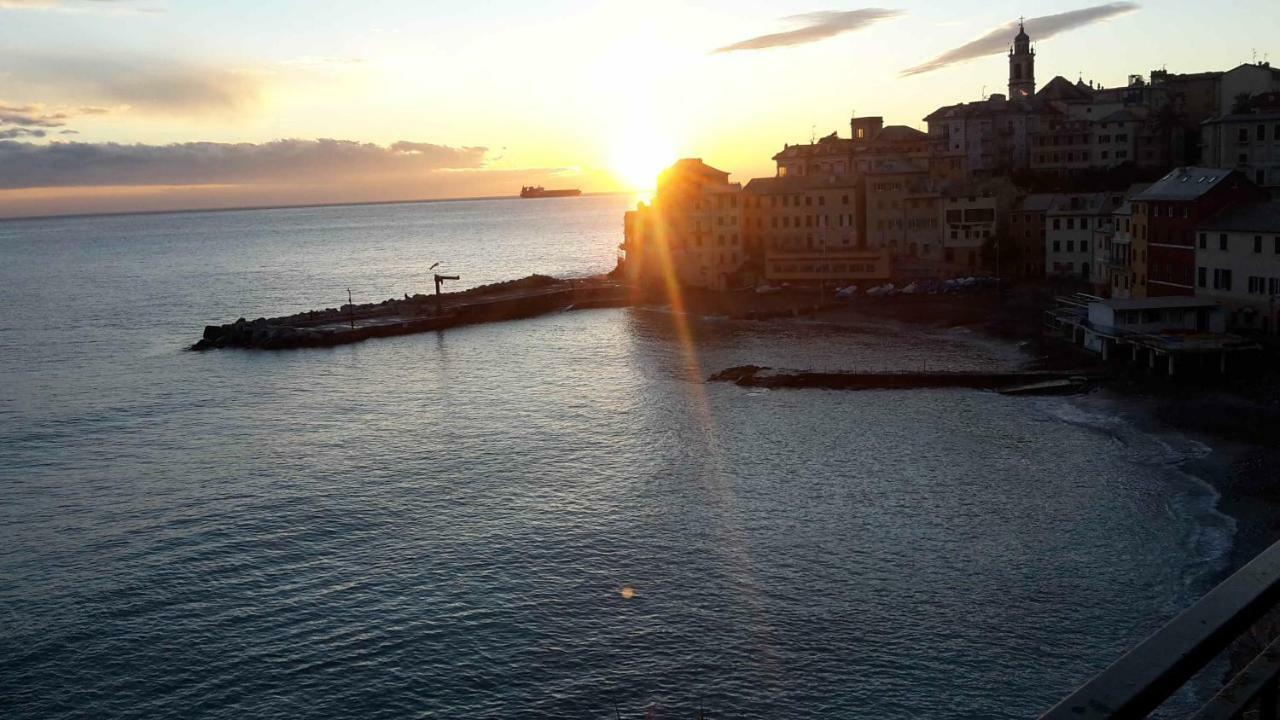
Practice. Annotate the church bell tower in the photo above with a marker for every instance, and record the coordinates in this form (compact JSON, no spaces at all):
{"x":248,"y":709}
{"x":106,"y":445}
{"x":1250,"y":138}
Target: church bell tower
{"x":1022,"y":66}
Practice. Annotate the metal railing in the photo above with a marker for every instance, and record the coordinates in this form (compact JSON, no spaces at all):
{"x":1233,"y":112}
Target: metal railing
{"x":1148,"y":675}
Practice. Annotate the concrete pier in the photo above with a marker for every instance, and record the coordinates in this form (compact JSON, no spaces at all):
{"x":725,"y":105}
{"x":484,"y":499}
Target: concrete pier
{"x":529,"y":297}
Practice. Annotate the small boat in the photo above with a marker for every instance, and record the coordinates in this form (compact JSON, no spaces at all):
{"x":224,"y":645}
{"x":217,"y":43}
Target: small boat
{"x":537,"y":191}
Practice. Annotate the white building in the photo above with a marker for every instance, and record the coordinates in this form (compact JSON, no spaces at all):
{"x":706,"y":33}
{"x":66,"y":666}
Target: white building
{"x":1070,"y":224}
{"x":1238,"y":264}
{"x":1119,"y":253}
{"x":1248,"y":142}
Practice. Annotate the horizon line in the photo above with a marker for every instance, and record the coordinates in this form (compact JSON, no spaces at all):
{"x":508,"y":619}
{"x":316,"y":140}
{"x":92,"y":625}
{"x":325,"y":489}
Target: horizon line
{"x":298,"y":206}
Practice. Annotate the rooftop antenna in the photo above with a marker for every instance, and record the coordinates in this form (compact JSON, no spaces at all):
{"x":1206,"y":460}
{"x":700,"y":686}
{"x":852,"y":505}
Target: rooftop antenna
{"x":984,"y":92}
{"x":813,"y":134}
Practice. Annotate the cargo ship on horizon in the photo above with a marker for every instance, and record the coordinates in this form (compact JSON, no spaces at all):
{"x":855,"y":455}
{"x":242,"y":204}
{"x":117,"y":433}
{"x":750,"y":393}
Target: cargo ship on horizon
{"x":537,"y":191}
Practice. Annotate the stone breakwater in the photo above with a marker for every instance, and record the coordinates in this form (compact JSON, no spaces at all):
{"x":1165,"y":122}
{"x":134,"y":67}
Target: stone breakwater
{"x":527,"y":297}
{"x":766,"y":377}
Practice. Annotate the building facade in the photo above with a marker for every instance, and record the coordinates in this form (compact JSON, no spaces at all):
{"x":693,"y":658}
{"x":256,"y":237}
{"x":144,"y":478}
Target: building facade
{"x":1249,"y":143}
{"x":690,"y":234}
{"x":1238,"y":264}
{"x":1072,"y":224}
{"x":1025,"y":255}
{"x":1165,"y":218}
{"x":1118,"y":259}
{"x":806,"y":229}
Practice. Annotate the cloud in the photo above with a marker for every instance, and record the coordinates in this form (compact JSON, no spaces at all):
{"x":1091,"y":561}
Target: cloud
{"x":144,"y":83}
{"x":30,"y":116}
{"x":817,"y":26}
{"x":18,"y":132}
{"x":33,"y":120}
{"x":1042,"y":28}
{"x":75,"y":164}
{"x":110,"y":6}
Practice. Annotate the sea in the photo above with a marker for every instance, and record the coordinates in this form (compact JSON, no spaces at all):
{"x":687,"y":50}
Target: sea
{"x":548,"y":518}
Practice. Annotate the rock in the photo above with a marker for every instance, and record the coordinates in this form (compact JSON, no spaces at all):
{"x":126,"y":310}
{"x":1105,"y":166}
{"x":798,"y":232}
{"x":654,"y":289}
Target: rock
{"x":212,"y":331}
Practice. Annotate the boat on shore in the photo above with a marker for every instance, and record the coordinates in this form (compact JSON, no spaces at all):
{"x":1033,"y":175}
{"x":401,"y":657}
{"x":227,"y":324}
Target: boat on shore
{"x":537,"y":191}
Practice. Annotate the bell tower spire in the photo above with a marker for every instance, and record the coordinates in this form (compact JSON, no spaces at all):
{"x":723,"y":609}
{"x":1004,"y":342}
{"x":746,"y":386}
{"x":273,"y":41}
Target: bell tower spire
{"x":1022,"y":65}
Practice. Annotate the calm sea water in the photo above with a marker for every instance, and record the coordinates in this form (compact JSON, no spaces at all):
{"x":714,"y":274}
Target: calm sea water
{"x":541,"y":518}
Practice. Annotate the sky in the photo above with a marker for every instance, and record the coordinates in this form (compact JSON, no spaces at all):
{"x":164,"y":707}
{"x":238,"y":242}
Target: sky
{"x":121,"y":105}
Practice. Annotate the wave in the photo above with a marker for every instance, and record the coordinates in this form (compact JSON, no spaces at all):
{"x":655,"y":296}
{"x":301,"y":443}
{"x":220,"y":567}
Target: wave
{"x":1210,"y":533}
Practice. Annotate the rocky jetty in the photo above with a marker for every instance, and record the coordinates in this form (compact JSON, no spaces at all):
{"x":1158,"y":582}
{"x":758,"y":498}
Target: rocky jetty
{"x":526,"y":297}
{"x":766,"y":377}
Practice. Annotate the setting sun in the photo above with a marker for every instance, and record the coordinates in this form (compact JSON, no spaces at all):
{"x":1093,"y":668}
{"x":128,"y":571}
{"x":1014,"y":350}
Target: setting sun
{"x":637,"y":159}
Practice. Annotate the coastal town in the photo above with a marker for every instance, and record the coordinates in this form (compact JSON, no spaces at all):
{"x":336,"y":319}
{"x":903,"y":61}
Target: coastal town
{"x":1155,"y":202}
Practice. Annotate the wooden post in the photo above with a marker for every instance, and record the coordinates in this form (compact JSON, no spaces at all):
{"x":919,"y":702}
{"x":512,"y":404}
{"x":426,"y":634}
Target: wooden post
{"x":351,"y":310}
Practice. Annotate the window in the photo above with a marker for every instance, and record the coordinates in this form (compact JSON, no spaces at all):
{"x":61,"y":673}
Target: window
{"x":1257,"y":243}
{"x":1243,"y":135}
{"x":1057,"y":246}
{"x":1071,"y":223}
{"x":1222,"y":241}
{"x":1204,"y":241}
{"x":1202,"y":277}
{"x":1071,"y":246}
{"x":1057,"y":224}
{"x":1261,"y":133}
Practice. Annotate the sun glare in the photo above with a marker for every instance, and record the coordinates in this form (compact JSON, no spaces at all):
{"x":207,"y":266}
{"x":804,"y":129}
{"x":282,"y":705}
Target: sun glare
{"x":637,"y":159}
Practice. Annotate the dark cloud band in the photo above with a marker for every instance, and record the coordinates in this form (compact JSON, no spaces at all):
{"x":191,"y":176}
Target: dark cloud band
{"x":1041,"y":28}
{"x":68,"y":164}
{"x":818,"y":26}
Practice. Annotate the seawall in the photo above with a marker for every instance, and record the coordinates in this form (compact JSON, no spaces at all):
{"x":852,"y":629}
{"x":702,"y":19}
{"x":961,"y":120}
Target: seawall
{"x":529,"y":297}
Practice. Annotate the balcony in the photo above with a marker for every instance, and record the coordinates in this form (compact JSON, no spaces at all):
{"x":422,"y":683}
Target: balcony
{"x":1145,"y":678}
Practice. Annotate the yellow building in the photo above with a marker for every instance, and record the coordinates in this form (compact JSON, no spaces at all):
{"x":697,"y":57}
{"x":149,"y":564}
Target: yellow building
{"x":690,"y":233}
{"x":806,"y":229}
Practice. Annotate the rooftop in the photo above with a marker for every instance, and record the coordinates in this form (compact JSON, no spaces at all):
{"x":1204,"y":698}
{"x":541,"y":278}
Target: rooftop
{"x":895,"y":166}
{"x":1244,"y":118}
{"x":899,"y":133}
{"x":1184,"y":183}
{"x":1040,"y":202}
{"x":1159,"y":303}
{"x":798,"y":183}
{"x":1061,"y":88}
{"x":1121,"y":116}
{"x":1262,"y":217}
{"x":1085,"y":203}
